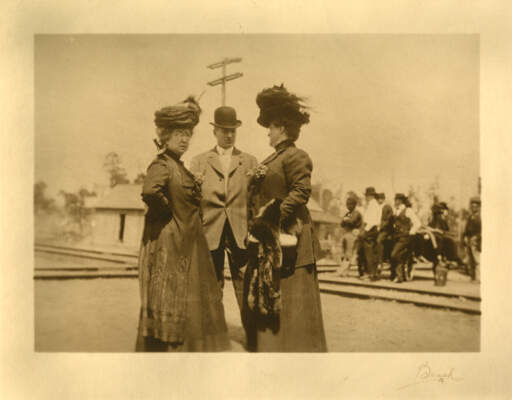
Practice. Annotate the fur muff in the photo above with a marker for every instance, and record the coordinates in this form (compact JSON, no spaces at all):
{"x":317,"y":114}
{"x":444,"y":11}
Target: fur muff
{"x":265,"y":262}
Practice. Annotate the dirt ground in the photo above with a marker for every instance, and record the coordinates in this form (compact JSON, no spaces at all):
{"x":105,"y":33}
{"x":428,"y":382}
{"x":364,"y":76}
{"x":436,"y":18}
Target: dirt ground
{"x":101,"y":315}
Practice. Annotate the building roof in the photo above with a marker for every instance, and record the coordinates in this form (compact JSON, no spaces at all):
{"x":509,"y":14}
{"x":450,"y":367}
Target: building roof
{"x":127,"y":197}
{"x":121,"y":197}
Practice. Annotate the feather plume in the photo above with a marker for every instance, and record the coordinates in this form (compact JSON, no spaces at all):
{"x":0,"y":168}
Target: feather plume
{"x":277,"y":101}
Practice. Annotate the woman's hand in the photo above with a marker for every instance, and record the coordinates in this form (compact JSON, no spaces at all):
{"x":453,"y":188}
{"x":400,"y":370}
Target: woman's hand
{"x":291,"y":225}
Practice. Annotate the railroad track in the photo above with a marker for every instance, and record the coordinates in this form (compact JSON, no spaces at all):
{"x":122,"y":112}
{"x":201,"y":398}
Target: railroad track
{"x":454,"y":296}
{"x":90,"y":254}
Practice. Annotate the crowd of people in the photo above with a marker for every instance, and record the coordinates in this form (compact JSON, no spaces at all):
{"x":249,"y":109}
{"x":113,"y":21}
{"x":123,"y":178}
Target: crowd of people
{"x":384,"y":235}
{"x":229,"y":204}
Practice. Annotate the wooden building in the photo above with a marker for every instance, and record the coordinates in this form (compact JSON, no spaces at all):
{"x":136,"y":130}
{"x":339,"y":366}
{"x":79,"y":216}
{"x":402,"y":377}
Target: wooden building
{"x":118,"y":217}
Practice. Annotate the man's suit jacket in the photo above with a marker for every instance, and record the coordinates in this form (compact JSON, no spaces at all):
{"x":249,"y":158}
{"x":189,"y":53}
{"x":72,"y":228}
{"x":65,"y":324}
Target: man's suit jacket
{"x":386,"y":223}
{"x":216,"y":205}
{"x":288,"y":178}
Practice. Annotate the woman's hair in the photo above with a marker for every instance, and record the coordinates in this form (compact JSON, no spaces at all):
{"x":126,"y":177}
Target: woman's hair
{"x":292,"y":127}
{"x":165,"y":133}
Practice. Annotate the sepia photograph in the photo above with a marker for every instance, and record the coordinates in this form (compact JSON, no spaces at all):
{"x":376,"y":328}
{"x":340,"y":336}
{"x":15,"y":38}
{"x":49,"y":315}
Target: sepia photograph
{"x":255,"y":200}
{"x":256,"y":193}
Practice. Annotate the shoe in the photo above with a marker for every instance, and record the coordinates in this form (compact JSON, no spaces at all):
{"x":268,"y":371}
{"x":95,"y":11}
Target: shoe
{"x":411,"y":273}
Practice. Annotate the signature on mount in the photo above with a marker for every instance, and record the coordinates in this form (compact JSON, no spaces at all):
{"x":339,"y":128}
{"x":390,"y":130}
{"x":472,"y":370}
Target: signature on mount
{"x":425,"y":374}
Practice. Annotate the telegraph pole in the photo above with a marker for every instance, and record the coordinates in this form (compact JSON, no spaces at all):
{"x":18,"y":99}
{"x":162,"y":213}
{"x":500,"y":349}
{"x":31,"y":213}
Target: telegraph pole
{"x":225,"y":78}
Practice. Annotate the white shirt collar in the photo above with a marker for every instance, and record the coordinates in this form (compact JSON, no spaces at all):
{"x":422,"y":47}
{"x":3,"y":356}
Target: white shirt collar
{"x":372,"y":203}
{"x":224,"y":152}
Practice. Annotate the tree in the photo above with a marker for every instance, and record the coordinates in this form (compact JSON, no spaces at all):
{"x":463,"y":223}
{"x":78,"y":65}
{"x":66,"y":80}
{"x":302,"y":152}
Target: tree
{"x":117,"y":173}
{"x":75,"y":207}
{"x":41,"y":202}
{"x":140,"y":178}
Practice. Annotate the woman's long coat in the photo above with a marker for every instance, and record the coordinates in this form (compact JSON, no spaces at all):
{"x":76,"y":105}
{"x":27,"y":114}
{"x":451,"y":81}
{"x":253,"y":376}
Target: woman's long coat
{"x":181,"y":300}
{"x":298,"y":326}
{"x":288,"y":178}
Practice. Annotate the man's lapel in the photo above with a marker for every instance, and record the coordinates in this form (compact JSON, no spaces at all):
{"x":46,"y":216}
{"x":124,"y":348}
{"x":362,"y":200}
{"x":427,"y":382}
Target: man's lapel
{"x":214,"y":160}
{"x":236,"y":161}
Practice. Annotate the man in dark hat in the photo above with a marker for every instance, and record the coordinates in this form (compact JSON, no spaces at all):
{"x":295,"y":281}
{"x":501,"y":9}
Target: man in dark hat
{"x":371,"y":223}
{"x":472,"y":238}
{"x":384,"y":238}
{"x":405,"y":225}
{"x":224,"y":171}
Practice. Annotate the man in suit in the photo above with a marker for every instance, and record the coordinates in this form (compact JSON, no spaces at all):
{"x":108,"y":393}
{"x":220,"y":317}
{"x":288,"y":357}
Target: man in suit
{"x":384,"y":238}
{"x":224,"y":171}
{"x":405,"y":226}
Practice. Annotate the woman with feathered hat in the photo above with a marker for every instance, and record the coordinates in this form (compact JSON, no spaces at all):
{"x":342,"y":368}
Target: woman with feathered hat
{"x":181,"y":300}
{"x":282,"y":308}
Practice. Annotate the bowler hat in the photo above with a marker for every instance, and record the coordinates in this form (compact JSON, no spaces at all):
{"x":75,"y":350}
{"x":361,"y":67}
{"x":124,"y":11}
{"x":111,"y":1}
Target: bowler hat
{"x":370,"y":191}
{"x":381,"y":196}
{"x":400,"y":196}
{"x":225,"y":117}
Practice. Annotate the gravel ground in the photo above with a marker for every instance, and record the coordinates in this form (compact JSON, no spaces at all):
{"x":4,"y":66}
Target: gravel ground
{"x":100,"y":315}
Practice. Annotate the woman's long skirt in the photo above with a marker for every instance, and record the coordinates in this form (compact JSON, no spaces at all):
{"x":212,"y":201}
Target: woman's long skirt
{"x":299,"y":327}
{"x":205,"y":326}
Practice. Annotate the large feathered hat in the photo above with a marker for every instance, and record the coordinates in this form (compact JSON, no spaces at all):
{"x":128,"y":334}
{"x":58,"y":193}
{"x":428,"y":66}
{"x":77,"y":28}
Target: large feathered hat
{"x":276,"y":103}
{"x":184,"y":114}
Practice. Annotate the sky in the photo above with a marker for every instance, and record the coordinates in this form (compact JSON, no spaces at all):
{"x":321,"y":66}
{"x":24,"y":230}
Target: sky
{"x":388,"y":111}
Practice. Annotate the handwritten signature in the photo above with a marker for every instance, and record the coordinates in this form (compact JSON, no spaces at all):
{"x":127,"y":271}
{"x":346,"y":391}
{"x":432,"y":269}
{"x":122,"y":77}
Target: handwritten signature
{"x":425,"y":374}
